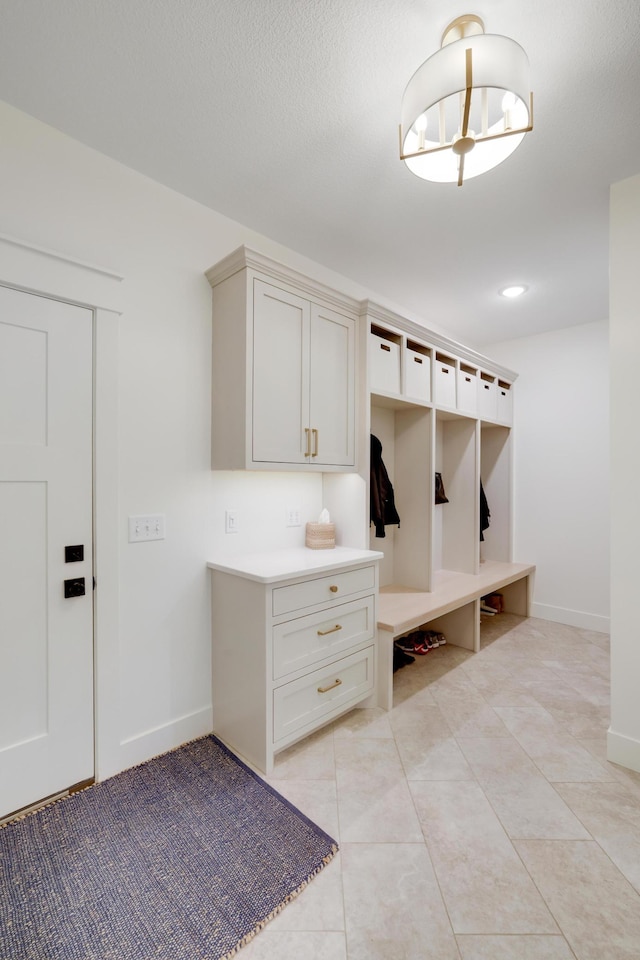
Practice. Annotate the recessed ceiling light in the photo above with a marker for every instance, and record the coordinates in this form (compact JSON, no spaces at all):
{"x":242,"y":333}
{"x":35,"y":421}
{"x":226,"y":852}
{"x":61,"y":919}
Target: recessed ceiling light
{"x":515,"y":291}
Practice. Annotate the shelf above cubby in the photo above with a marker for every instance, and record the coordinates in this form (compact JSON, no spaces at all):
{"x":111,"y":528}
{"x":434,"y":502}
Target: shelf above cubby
{"x":394,"y":402}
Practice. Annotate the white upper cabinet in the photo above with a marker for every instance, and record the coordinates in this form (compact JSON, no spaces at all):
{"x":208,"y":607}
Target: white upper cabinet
{"x":284,"y":369}
{"x":280,"y":395}
{"x":332,"y":388}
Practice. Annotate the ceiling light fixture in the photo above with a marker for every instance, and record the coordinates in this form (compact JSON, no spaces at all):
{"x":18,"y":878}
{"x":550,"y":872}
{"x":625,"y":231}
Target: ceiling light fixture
{"x":474,"y":95}
{"x":515,"y":291}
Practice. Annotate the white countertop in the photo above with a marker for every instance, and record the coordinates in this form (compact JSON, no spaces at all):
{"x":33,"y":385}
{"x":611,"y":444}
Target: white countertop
{"x":275,"y":565}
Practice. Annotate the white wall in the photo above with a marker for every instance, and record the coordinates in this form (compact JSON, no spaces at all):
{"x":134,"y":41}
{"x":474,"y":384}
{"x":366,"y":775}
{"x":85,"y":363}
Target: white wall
{"x":624,"y":732}
{"x":561,"y":466}
{"x":59,"y":195}
{"x":56,"y":194}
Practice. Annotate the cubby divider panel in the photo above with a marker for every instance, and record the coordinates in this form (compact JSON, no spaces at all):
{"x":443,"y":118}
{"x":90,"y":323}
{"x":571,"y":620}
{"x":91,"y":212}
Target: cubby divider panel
{"x":495,"y":473}
{"x":456,"y":544}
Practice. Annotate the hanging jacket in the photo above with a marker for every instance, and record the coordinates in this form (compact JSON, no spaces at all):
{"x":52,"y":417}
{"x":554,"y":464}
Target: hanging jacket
{"x":485,"y":513}
{"x":382,"y":503}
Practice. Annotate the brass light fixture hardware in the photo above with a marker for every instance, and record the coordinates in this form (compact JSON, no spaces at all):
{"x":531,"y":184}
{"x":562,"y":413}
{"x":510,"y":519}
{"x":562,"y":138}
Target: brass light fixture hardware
{"x":336,"y":683}
{"x":325,"y":633}
{"x":474,"y":95}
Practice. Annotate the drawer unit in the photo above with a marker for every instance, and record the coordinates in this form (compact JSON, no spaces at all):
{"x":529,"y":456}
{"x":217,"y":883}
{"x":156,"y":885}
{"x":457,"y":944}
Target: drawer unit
{"x":335,"y":587}
{"x":301,"y":643}
{"x":417,"y":372}
{"x":505,"y":402}
{"x":444,"y":381}
{"x":487,"y":398}
{"x":314,"y":698}
{"x":467,"y":382}
{"x":293,"y":644}
{"x":384,"y":363}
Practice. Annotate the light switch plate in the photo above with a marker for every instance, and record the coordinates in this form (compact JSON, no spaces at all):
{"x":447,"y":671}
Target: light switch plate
{"x":231,"y":521}
{"x":147,"y":527}
{"x":293,"y":517}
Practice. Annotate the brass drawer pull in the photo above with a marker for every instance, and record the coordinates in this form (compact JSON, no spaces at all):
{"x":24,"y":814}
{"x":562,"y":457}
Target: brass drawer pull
{"x":315,"y":442}
{"x":333,"y":588}
{"x":307,"y":452}
{"x":323,"y":633}
{"x":336,"y":683}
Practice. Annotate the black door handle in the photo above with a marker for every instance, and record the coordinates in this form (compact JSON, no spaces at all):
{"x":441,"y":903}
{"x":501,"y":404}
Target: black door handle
{"x":74,"y":588}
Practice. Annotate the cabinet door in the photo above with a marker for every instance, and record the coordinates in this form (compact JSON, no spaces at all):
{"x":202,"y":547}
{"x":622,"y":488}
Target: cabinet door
{"x":332,"y":404}
{"x":280,"y":375}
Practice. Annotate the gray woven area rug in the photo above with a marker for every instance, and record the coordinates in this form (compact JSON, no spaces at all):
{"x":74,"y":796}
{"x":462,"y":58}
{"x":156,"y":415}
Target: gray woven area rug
{"x":185,"y":857}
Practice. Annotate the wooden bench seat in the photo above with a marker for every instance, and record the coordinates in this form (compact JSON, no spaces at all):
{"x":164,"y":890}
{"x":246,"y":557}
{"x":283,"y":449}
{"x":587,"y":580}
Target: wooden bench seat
{"x":453,"y":607}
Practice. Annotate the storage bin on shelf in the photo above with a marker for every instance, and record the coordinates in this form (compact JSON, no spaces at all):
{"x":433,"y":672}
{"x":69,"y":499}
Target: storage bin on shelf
{"x":384,"y":362}
{"x":487,"y":398}
{"x":417,"y":371}
{"x":444,"y":381}
{"x":504,"y":402}
{"x":467,"y":383}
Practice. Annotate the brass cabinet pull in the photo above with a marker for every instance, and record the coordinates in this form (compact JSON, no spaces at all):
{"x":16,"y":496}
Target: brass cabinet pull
{"x":324,"y":633}
{"x":307,"y":452}
{"x":315,"y":442}
{"x":336,"y":683}
{"x":333,"y":588}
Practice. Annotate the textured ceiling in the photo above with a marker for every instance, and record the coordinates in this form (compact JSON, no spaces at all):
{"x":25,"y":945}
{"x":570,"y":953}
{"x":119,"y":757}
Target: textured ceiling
{"x":283,"y":115}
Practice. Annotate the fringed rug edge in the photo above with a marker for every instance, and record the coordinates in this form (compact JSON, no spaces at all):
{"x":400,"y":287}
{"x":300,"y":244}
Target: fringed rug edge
{"x":248,"y":937}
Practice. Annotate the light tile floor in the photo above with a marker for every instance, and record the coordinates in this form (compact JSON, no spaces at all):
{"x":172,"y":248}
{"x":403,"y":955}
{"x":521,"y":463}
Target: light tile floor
{"x":477,"y":820}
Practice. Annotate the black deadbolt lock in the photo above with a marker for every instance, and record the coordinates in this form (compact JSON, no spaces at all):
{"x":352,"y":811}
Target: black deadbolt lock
{"x":74,"y":554}
{"x":74,"y":588}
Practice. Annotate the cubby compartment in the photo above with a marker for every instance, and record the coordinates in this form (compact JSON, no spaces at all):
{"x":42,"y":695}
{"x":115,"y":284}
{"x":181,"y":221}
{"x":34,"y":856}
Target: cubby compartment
{"x":495,"y":476}
{"x":384,"y":361}
{"x":504,"y":402}
{"x":405,"y":433}
{"x":456,"y":523}
{"x":444,"y":381}
{"x":467,"y":382}
{"x":461,"y":626}
{"x":417,"y":371}
{"x":487,"y":396}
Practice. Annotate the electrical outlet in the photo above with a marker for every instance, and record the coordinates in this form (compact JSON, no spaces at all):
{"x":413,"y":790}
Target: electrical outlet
{"x":148,"y":527}
{"x":293,"y":517}
{"x":231,"y":521}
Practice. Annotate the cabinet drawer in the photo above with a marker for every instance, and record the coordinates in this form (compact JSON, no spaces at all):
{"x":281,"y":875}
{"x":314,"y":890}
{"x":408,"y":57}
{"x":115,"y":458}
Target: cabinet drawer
{"x":303,"y":642}
{"x":322,"y":590}
{"x":319,"y":695}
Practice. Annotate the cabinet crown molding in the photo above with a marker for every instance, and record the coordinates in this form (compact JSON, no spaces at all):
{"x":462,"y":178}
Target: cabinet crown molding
{"x":430,"y":338}
{"x":246,"y":258}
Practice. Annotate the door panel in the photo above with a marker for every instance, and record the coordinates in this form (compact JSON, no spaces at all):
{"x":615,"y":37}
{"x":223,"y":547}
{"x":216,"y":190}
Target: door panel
{"x":332,"y":386}
{"x":46,"y":641}
{"x":280,"y":375}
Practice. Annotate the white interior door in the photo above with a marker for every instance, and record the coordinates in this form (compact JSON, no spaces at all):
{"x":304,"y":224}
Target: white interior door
{"x":46,"y":639}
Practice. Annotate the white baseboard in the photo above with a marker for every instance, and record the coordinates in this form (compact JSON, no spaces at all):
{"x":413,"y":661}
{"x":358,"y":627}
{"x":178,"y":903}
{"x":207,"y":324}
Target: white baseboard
{"x":623,"y":750}
{"x":149,"y":744}
{"x":574,"y":618}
